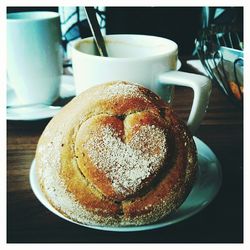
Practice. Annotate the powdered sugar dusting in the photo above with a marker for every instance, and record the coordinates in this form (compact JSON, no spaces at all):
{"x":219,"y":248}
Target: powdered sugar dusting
{"x":122,"y":89}
{"x":128,"y":165}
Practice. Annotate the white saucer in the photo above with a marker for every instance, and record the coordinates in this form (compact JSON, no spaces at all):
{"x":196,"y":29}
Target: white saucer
{"x":205,"y":189}
{"x":67,"y":89}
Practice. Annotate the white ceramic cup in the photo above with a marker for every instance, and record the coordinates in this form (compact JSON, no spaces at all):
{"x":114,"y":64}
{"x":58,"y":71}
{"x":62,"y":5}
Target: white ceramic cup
{"x":34,"y":56}
{"x":148,"y":60}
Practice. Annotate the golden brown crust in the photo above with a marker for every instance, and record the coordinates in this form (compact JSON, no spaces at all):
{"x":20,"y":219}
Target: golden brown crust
{"x":116,"y":155}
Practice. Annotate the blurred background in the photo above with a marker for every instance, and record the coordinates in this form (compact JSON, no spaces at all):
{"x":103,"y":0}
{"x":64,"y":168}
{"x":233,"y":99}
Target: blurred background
{"x":200,"y":33}
{"x":181,"y":24}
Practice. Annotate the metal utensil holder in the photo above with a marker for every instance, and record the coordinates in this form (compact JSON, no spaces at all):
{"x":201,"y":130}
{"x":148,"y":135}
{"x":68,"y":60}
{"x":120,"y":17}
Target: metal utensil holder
{"x":208,"y":47}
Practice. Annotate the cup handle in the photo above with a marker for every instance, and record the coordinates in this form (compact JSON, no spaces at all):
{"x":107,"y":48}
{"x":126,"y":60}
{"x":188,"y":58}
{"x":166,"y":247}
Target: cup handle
{"x":201,"y":86}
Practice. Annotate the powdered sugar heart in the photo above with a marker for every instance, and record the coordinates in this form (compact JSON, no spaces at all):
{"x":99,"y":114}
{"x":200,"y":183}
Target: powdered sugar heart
{"x":128,"y":165}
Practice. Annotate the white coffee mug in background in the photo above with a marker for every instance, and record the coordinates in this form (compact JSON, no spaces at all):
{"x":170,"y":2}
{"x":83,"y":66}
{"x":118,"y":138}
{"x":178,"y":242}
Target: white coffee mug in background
{"x":34,"y":56}
{"x":147,"y":60}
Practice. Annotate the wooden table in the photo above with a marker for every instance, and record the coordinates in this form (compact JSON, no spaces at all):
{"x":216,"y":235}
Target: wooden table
{"x":222,"y":221}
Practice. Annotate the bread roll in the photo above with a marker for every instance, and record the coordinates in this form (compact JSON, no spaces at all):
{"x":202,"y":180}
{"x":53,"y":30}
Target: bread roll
{"x":116,"y":155}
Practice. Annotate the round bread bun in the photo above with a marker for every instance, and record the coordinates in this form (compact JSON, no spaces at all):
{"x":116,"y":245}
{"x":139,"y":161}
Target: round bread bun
{"x":116,"y":155}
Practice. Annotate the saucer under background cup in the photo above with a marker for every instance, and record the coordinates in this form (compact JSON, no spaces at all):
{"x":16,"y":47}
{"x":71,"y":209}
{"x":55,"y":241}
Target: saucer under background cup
{"x":67,"y":90}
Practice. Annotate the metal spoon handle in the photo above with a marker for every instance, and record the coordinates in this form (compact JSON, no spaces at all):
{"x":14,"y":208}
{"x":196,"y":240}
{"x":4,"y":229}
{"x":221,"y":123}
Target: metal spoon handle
{"x":95,"y":29}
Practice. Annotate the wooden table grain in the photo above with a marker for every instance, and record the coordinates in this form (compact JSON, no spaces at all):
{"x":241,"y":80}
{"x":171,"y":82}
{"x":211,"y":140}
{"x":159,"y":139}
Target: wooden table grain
{"x":222,"y":221}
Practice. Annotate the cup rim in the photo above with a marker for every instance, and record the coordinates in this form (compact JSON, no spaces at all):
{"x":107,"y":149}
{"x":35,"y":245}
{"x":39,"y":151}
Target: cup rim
{"x":31,"y":16}
{"x":147,"y":57}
